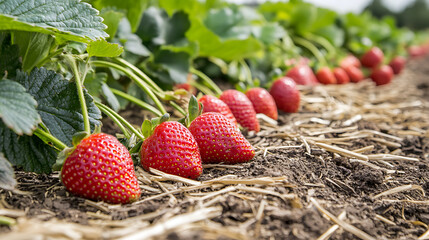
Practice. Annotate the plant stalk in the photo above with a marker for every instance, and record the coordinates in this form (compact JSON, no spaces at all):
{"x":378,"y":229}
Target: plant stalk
{"x":114,"y":119}
{"x":207,"y":80}
{"x":323,"y":42}
{"x":105,"y":108}
{"x":178,"y":108}
{"x":136,"y":79}
{"x":137,"y":101}
{"x":246,"y":67}
{"x":55,"y":141}
{"x":139,"y":73}
{"x":203,"y":88}
{"x":81,"y":95}
{"x":310,"y":47}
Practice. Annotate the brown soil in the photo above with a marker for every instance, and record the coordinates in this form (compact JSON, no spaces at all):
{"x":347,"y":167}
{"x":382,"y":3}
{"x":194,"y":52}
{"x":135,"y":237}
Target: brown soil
{"x":286,"y":186}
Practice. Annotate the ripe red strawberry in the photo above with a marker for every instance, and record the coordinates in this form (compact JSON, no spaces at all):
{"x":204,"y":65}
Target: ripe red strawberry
{"x":416,"y":51}
{"x":350,"y":60}
{"x":101,"y":168}
{"x":355,"y":74}
{"x":382,"y":75}
{"x":214,"y":104}
{"x":341,"y":76}
{"x":172,"y":149}
{"x":397,"y":64}
{"x":263,"y":102}
{"x":219,"y":140}
{"x":242,"y":108}
{"x":302,"y":75}
{"x":325,"y":76}
{"x":372,"y":58}
{"x":286,"y":94}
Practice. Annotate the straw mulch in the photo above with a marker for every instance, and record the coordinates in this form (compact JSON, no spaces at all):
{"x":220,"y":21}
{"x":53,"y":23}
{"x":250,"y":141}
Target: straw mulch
{"x":352,"y":164}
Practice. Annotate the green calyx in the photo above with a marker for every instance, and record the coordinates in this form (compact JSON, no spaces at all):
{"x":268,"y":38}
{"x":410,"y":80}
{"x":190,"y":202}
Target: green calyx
{"x":149,"y":126}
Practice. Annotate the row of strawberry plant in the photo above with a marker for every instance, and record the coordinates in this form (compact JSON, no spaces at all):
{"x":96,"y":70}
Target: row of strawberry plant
{"x":60,"y":71}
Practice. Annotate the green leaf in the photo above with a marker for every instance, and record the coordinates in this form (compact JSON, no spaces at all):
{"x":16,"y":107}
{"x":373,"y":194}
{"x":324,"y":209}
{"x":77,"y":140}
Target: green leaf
{"x":94,"y":81}
{"x":58,"y":103}
{"x":9,"y":56}
{"x":18,"y":108}
{"x":131,"y":42}
{"x":147,"y":128}
{"x":269,"y":33}
{"x":68,"y":19}
{"x":28,"y":152}
{"x":102,"y":48}
{"x":231,"y":22}
{"x":111,"y":19}
{"x":324,"y":18}
{"x":176,"y":64}
{"x":7,"y":176}
{"x":303,"y":17}
{"x":211,"y":44}
{"x":159,"y":29}
{"x":110,"y":97}
{"x":33,"y":47}
{"x":133,"y":8}
{"x":193,"y":109}
{"x":333,"y":34}
{"x":170,"y":67}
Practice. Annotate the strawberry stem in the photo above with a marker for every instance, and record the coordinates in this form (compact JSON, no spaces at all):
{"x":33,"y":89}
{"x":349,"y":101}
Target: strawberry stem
{"x":116,"y":120}
{"x":323,"y":42}
{"x":178,"y":108}
{"x":105,"y":109}
{"x":207,"y":81}
{"x":87,"y":126}
{"x":55,"y":141}
{"x":203,"y":88}
{"x":7,"y":221}
{"x":248,"y":72}
{"x":313,"y":49}
{"x":143,"y":85}
{"x":139,"y":73}
{"x":137,"y":101}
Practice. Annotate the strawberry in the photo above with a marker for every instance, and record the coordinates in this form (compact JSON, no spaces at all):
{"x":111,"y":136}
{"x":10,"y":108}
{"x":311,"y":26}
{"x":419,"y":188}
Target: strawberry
{"x":350,"y":60}
{"x":286,"y":94}
{"x":302,"y":75}
{"x":416,"y":51}
{"x":372,"y":58}
{"x":325,"y":76}
{"x":263,"y":102}
{"x":397,"y":64}
{"x":355,"y":74}
{"x":341,"y":76}
{"x":214,"y":104}
{"x":219,"y":140}
{"x":172,"y":149}
{"x":242,"y":109}
{"x":101,"y":168}
{"x":186,"y":86}
{"x":382,"y":75}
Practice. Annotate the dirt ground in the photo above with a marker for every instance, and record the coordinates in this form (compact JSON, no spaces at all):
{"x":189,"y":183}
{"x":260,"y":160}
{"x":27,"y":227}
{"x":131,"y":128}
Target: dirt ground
{"x":355,"y":155}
